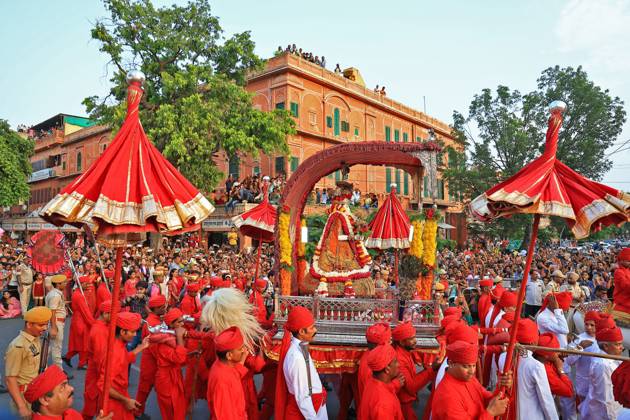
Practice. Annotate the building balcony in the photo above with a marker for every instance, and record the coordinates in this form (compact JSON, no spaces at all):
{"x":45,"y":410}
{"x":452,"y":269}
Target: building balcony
{"x":55,"y":136}
{"x":42,"y":174}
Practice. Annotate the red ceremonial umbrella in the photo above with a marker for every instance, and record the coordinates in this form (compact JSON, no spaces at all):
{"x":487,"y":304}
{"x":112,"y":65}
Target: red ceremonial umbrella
{"x":390,"y":227}
{"x":47,"y":251}
{"x":547,"y":186}
{"x":258,"y":222}
{"x":129,"y":190}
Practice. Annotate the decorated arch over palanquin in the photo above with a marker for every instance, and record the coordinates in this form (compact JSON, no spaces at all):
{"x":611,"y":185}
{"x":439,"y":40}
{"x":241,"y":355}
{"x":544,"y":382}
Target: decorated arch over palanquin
{"x":417,"y":159}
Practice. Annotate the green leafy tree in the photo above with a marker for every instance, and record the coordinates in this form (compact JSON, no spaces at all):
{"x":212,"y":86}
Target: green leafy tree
{"x":505,"y":129}
{"x":15,"y":166}
{"x":195,"y":103}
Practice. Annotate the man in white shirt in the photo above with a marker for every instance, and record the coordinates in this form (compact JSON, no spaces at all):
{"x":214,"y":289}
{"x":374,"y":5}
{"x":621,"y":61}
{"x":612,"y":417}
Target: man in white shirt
{"x":533,"y":294}
{"x":299,"y":390}
{"x":534,"y":399}
{"x":600,"y":402}
{"x":551,"y":317}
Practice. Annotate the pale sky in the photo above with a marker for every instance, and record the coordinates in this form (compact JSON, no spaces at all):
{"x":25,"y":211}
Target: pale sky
{"x":443,"y":51}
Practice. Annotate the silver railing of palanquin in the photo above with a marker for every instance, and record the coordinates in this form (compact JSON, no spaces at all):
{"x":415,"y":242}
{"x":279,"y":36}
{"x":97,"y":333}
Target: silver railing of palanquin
{"x":343,"y":321}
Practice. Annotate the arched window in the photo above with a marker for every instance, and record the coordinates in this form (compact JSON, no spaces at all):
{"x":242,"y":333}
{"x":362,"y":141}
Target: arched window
{"x":336,"y":122}
{"x":79,"y":162}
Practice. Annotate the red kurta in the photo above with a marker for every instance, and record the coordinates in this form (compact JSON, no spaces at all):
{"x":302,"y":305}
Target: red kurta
{"x":148,"y":364}
{"x":226,"y":399}
{"x":69,"y":414}
{"x":364,"y":374}
{"x":379,"y":402}
{"x":621,"y":294}
{"x":97,"y":350}
{"x":102,"y":295}
{"x":190,"y":305}
{"x":260,"y":310}
{"x":413,"y":382}
{"x":560,"y":385}
{"x":169,"y":383}
{"x":483,"y":306}
{"x":87,"y":283}
{"x":460,"y":400}
{"x":121,"y":359}
{"x":254,"y":365}
{"x":82,"y":320}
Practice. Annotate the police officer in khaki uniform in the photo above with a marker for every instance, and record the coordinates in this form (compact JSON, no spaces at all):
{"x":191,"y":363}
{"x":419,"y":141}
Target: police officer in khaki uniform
{"x":25,"y":282}
{"x":22,"y":358}
{"x":55,"y":301}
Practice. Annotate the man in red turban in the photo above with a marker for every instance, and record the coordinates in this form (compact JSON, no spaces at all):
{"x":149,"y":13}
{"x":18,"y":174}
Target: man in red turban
{"x":559,"y":383}
{"x":120,"y":403}
{"x":460,"y":396}
{"x":170,"y":352}
{"x":404,"y":336}
{"x":484,"y":304}
{"x":621,"y":294}
{"x":294,"y":398}
{"x":226,"y":399}
{"x":96,"y":349}
{"x":600,"y":402}
{"x":506,"y":303}
{"x":621,"y":385}
{"x":190,"y":303}
{"x":258,"y":301}
{"x":82,"y":321}
{"x":148,"y":363}
{"x":551,"y":316}
{"x":379,"y":400}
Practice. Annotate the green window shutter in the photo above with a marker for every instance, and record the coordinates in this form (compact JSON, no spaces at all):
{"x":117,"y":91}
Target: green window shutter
{"x":295,"y":162}
{"x":425,"y":189}
{"x":79,"y":162}
{"x":329,"y":121}
{"x":418,"y":139}
{"x":256,"y":170}
{"x":294,"y":109}
{"x":356,"y":131}
{"x":337,"y":175}
{"x":280,"y":105}
{"x":398,"y":179}
{"x":280,"y":165}
{"x":406,"y":184}
{"x":396,"y":136}
{"x":336,"y":122}
{"x":388,"y":134}
{"x":388,"y":179}
{"x":234,"y":167}
{"x":440,"y":189}
{"x":405,"y":138}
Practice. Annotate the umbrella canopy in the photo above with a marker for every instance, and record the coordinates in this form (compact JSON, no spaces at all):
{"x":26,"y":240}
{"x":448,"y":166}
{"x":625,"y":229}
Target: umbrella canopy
{"x":547,"y":186}
{"x":47,"y":251}
{"x":130,"y":189}
{"x":259,"y":222}
{"x":391,"y":226}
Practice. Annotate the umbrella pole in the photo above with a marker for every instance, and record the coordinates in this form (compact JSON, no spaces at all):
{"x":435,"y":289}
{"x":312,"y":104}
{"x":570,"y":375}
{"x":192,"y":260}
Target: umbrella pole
{"x":396,"y":266}
{"x":521,"y":296}
{"x":112,"y":329}
{"x":258,"y":257}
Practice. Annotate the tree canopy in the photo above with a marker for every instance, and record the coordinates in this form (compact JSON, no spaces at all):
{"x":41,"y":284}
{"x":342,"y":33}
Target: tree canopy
{"x":195,"y":103}
{"x":505,"y":129}
{"x":15,"y":166}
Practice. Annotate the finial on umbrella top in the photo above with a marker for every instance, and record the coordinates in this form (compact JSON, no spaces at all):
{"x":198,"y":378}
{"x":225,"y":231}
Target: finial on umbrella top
{"x":557,"y":107}
{"x":135,"y":76}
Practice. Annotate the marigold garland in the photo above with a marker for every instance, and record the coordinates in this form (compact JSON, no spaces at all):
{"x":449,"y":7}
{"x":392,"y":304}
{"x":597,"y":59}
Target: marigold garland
{"x":416,"y":247}
{"x":429,"y":239}
{"x":286,"y":249}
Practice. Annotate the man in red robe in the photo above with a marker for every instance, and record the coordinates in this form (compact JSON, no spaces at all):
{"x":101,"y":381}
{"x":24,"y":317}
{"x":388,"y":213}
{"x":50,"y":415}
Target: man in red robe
{"x":97,"y":350}
{"x":258,"y":301}
{"x":559,"y":383}
{"x":102,"y":294}
{"x":80,"y":325}
{"x":226,"y":399}
{"x":254,"y":365}
{"x":120,"y":403}
{"x":379,"y":400}
{"x":621,"y":294}
{"x":170,"y":352}
{"x":460,"y":396}
{"x":148,"y":364}
{"x":89,"y":289}
{"x":51,"y":396}
{"x":484,"y":304}
{"x":190,"y":303}
{"x":404,"y":336}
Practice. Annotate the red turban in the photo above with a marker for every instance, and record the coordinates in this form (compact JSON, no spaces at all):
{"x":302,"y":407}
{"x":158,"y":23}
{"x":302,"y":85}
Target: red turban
{"x":462,"y":352}
{"x":604,"y":321}
{"x":229,"y":339}
{"x":564,"y":300}
{"x":172,"y":316}
{"x":379,"y":333}
{"x":260,"y":283}
{"x":621,"y":383}
{"x":547,"y":339}
{"x":105,"y":306}
{"x":157,"y":301}
{"x":453,"y":310}
{"x":497,"y":292}
{"x":592,"y":316}
{"x":609,"y":335}
{"x":624,"y":255}
{"x":507,"y":299}
{"x":216,"y":282}
{"x":193,"y":287}
{"x":129,"y":321}
{"x":485,"y":283}
{"x":509,"y":317}
{"x":44,"y":382}
{"x":403,"y":331}
{"x":447,"y":320}
{"x":462,"y":332}
{"x":380,"y":357}
{"x":527,"y":332}
{"x":455,"y":323}
{"x":299,"y":317}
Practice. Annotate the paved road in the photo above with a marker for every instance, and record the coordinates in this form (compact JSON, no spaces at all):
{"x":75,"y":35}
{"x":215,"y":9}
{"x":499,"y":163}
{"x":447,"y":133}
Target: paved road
{"x":11,"y":327}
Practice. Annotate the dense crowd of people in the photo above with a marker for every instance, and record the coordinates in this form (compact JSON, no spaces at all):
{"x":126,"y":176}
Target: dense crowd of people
{"x":315,"y":59}
{"x":171,"y":300}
